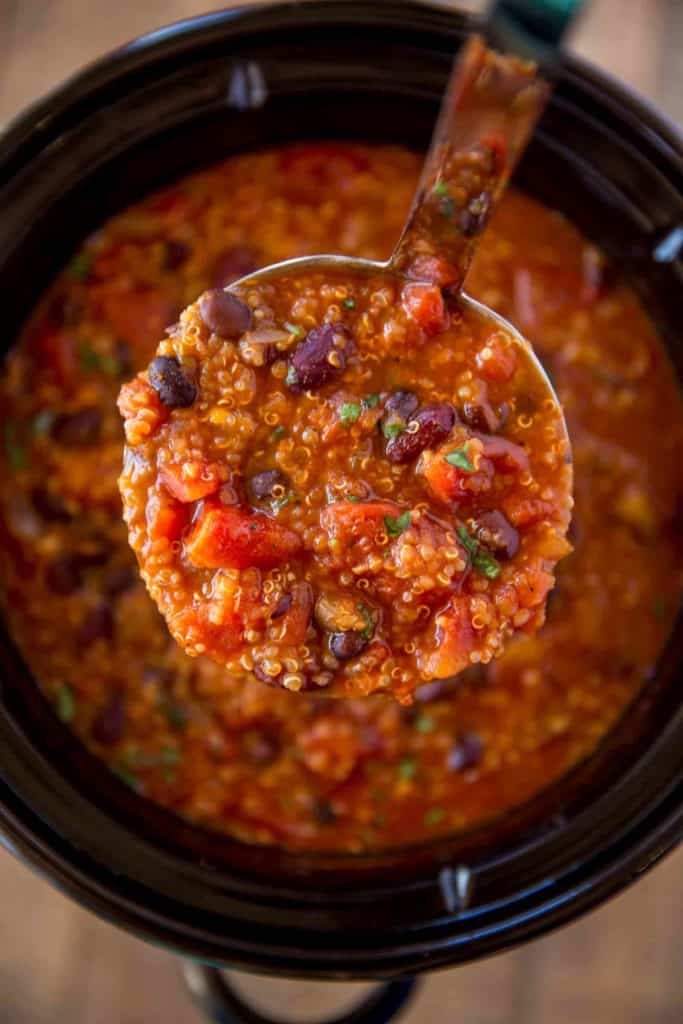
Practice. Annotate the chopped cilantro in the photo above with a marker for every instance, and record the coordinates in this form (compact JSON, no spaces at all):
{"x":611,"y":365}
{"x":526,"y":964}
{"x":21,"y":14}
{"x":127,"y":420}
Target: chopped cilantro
{"x":66,"y":703}
{"x":406,"y":769}
{"x":481,"y":559}
{"x":291,"y":377}
{"x":167,"y":757}
{"x":349,"y":413}
{"x":447,"y":207}
{"x":42,"y":422}
{"x":175,"y":714}
{"x":393,"y":429}
{"x":460,"y":459}
{"x":92,"y":360}
{"x":395,"y":527}
{"x":349,"y":303}
{"x":80,"y":265}
{"x":293,"y":329}
{"x":125,"y":775}
{"x":14,"y":449}
{"x":353,"y":499}
{"x":369,"y":621}
{"x":424,"y":724}
{"x":288,"y":499}
{"x":279,"y":433}
{"x":441,"y":188}
{"x":370,"y":401}
{"x":434,"y":816}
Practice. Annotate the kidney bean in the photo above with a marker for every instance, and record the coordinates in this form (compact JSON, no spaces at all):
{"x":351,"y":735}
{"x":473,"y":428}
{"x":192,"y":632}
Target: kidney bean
{"x":98,"y":624}
{"x":492,"y":529}
{"x":472,"y":220}
{"x":225,"y":314}
{"x":323,"y":812}
{"x":347,"y":644}
{"x":481,"y":416}
{"x":175,"y":254}
{"x":282,"y":607}
{"x":76,"y":429}
{"x":310,"y":366}
{"x":50,"y":506}
{"x":261,"y":746}
{"x":109,"y":723}
{"x":64,"y":574}
{"x":171,"y":383}
{"x":466,"y":754}
{"x":261,"y":485}
{"x":232,"y":264}
{"x":434,"y":424}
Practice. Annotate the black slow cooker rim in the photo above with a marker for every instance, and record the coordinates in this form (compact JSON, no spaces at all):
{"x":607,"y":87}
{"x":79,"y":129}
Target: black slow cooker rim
{"x":124,"y":901}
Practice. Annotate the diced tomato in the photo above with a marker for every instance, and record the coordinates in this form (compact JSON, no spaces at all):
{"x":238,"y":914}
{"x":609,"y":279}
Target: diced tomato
{"x":451,"y":484}
{"x":532,"y":586}
{"x":424,"y":303}
{"x":57,"y":350}
{"x":228,"y":537}
{"x":191,"y":480}
{"x":434,"y":270}
{"x":291,"y":627}
{"x":525,"y":511}
{"x":497,"y":146}
{"x":138,"y":316}
{"x":166,"y":517}
{"x":452,"y":640}
{"x":350,"y":521}
{"x":497,"y":359}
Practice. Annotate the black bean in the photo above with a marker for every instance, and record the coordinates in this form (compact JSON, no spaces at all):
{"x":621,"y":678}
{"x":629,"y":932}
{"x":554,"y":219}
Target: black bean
{"x":261,"y":746}
{"x":310,"y":366}
{"x":282,"y":607}
{"x":98,"y":624}
{"x":175,"y":254}
{"x":76,"y":429}
{"x":171,"y":383}
{"x":324,"y":812}
{"x":261,"y":486}
{"x":50,"y":506}
{"x":347,"y":644}
{"x":472,"y":220}
{"x":109,"y":723}
{"x":233,"y":264}
{"x":64,"y":574}
{"x":225,"y":314}
{"x":495,"y":532}
{"x":434,"y":424}
{"x":466,"y":754}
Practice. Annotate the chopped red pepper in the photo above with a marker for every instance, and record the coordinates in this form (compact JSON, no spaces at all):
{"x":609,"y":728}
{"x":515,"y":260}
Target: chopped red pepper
{"x":228,"y":537}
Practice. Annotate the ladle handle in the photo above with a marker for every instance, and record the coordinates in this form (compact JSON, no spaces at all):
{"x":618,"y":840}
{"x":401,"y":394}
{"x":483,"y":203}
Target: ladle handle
{"x":490,"y":108}
{"x":531,"y":28}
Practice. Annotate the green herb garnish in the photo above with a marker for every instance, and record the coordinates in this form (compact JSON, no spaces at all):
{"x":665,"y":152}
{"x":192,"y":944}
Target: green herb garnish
{"x":66,"y":703}
{"x":279,"y":433}
{"x":125,"y":775}
{"x":167,"y":757}
{"x":441,"y":188}
{"x":395,"y":527}
{"x":349,"y":303}
{"x":293,"y":329}
{"x":369,"y":622}
{"x":14,"y":449}
{"x":370,"y":401}
{"x":353,"y":499}
{"x":288,"y":499}
{"x":460,"y":459}
{"x":92,"y":360}
{"x":80,"y":265}
{"x":176,"y":714}
{"x":42,"y":422}
{"x":406,"y":769}
{"x":393,"y":429}
{"x":481,"y":559}
{"x":434,"y":816}
{"x":424,"y":724}
{"x":291,"y":379}
{"x":349,"y":413}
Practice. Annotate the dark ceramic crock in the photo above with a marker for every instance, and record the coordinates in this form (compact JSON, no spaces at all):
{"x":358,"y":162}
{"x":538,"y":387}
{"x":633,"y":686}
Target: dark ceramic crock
{"x":166,"y":104}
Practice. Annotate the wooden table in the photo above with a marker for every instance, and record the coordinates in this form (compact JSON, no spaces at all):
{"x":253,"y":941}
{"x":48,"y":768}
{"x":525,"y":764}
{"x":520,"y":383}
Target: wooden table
{"x":59,"y":965}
